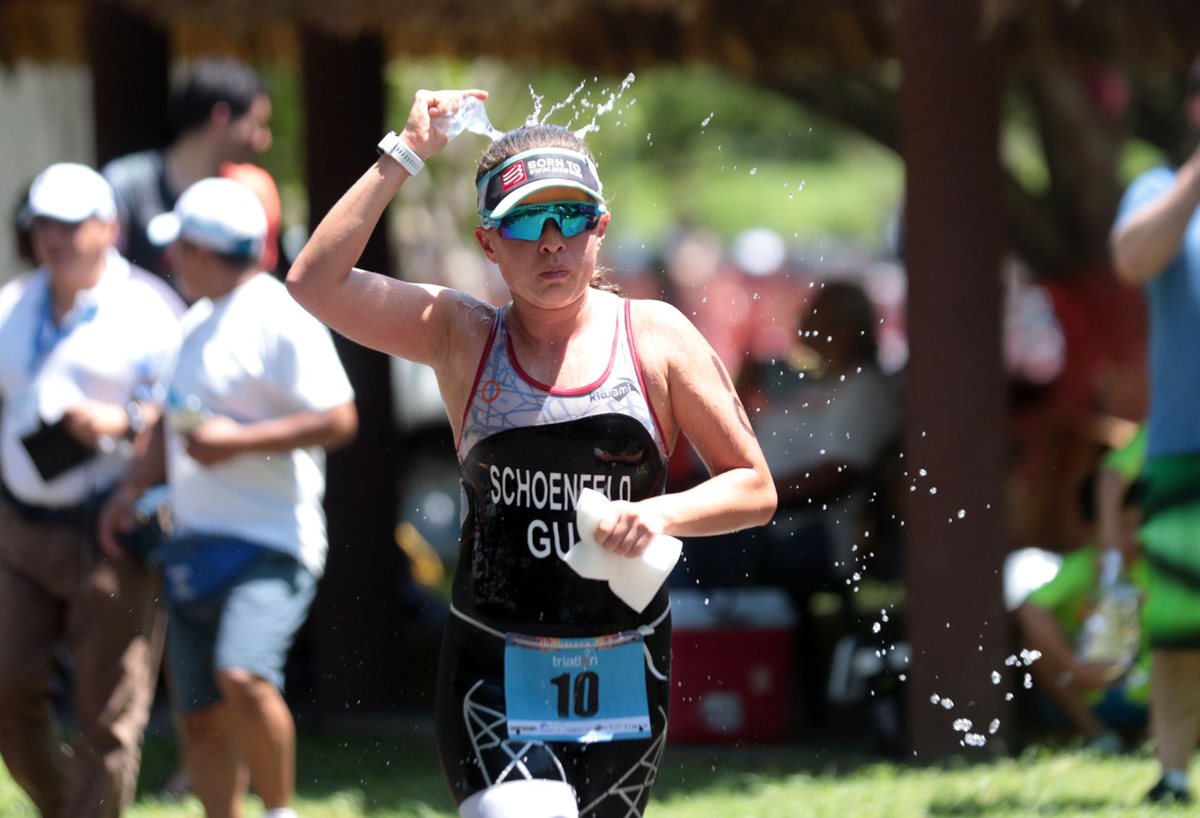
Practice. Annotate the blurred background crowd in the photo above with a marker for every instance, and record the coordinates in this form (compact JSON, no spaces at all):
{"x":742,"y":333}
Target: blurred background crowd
{"x":776,"y":221}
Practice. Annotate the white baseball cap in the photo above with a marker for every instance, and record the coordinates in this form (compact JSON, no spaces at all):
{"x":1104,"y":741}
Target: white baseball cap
{"x":72,"y":193}
{"x":223,"y":215}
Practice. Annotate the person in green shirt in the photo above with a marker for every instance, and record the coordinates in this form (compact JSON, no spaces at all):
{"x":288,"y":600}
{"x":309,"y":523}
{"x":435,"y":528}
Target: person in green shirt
{"x":1096,"y":698}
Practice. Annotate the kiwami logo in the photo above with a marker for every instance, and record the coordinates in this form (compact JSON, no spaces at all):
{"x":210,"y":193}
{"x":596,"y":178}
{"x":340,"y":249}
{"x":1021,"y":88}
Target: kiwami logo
{"x":617,"y":392}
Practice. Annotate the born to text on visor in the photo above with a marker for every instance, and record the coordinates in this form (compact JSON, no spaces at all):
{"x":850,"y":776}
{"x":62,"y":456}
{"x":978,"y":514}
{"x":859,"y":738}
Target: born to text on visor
{"x":504,"y":186}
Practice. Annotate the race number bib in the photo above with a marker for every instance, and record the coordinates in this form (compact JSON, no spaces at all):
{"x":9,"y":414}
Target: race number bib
{"x":584,"y":690}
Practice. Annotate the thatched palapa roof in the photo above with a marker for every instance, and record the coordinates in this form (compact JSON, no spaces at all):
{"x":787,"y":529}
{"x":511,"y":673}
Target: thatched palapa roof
{"x":749,"y":36}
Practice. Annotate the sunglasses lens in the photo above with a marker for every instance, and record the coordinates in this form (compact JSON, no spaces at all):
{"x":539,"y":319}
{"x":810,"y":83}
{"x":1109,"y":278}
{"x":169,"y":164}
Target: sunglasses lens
{"x":571,"y":218}
{"x":574,"y":225}
{"x":524,"y":226}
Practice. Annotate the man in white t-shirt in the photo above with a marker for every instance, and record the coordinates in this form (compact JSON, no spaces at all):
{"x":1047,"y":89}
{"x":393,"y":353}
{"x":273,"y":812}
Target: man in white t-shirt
{"x":85,"y":343}
{"x":257,"y":395}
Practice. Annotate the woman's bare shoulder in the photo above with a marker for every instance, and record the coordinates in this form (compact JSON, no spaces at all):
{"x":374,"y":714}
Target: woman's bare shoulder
{"x":469,"y":323}
{"x":660,"y":324}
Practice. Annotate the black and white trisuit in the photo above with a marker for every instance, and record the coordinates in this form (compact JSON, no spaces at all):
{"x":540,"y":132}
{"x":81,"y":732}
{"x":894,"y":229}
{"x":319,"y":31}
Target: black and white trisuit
{"x":544,"y":674}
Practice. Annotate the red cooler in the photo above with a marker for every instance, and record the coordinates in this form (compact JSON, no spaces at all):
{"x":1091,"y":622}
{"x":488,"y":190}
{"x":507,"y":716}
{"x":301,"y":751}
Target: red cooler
{"x":731,"y":667}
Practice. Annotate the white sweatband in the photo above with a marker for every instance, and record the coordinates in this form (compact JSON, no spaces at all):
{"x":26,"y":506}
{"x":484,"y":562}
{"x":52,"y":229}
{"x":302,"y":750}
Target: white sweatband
{"x":392,"y":145}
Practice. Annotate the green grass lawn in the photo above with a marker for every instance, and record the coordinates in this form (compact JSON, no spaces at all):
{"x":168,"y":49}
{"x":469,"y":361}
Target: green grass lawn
{"x":399,"y":778}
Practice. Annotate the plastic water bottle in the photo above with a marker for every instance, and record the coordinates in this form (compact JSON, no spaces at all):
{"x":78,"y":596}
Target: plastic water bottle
{"x":470,"y":116}
{"x":187,"y":416}
{"x":1112,"y":631}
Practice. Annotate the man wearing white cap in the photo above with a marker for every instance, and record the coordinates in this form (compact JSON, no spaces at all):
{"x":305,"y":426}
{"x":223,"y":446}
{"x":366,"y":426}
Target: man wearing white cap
{"x":257,"y":395}
{"x":87,"y":341}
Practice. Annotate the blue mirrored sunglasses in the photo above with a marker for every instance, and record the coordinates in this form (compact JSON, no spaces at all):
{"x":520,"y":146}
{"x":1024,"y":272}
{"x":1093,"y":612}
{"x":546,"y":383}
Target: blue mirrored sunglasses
{"x":527,"y":222}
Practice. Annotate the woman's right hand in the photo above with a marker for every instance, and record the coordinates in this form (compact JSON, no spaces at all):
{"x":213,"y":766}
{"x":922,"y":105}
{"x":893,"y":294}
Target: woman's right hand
{"x":419,"y":132}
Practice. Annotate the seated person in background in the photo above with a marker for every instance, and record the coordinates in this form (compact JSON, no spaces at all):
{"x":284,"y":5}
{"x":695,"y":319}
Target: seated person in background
{"x":825,"y":434}
{"x":1097,"y":699}
{"x":825,"y":430}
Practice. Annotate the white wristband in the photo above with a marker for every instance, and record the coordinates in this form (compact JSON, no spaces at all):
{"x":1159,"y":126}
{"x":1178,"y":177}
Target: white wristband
{"x":392,"y":145}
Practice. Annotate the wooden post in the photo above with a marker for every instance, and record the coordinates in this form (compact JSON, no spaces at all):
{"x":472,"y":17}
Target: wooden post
{"x":956,"y":414}
{"x":130,"y":73}
{"x":356,"y":624}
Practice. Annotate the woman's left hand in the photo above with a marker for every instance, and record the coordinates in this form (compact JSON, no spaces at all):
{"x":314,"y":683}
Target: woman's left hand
{"x":420,"y":133}
{"x":626,"y":531}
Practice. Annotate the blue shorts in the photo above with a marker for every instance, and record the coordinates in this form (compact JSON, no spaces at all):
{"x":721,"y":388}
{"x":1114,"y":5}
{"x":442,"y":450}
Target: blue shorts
{"x":249,"y":626}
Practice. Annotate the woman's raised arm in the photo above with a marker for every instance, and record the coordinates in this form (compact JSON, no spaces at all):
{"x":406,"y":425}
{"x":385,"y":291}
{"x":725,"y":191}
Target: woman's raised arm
{"x":397,"y":317}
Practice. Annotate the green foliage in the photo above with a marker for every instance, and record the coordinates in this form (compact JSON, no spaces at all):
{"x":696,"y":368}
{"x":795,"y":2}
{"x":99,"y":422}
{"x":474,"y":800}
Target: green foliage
{"x":681,"y":145}
{"x":285,"y":159}
{"x":1138,"y":157}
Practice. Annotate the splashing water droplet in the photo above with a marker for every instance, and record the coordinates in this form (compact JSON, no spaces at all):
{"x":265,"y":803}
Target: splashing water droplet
{"x":535,"y":116}
{"x":570,"y":98}
{"x":605,"y":107}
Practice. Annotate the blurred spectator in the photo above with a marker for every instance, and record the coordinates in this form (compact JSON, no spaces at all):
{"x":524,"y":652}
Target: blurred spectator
{"x":712,"y":294}
{"x":257,"y":394}
{"x":220,"y":113}
{"x":759,"y":254}
{"x":87,"y":339}
{"x":829,"y":421}
{"x":826,"y":429}
{"x":1156,"y":244}
{"x":1098,"y":700}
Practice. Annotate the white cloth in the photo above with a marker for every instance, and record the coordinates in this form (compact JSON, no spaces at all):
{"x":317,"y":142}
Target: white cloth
{"x":115,"y":345}
{"x":850,"y":420}
{"x":254,"y":355}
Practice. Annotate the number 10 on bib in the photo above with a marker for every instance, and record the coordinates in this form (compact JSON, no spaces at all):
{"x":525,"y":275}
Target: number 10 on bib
{"x":582,"y":690}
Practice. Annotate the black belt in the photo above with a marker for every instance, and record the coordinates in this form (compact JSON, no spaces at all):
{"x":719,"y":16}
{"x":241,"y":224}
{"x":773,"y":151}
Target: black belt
{"x":81,"y":515}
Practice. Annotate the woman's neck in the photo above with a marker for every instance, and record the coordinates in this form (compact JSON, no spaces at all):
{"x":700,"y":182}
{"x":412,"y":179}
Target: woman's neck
{"x":561,"y":347}
{"x":553,"y":327}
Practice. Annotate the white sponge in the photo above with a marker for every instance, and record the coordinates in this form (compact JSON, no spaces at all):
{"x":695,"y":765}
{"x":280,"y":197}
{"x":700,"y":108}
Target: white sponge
{"x":635,"y":580}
